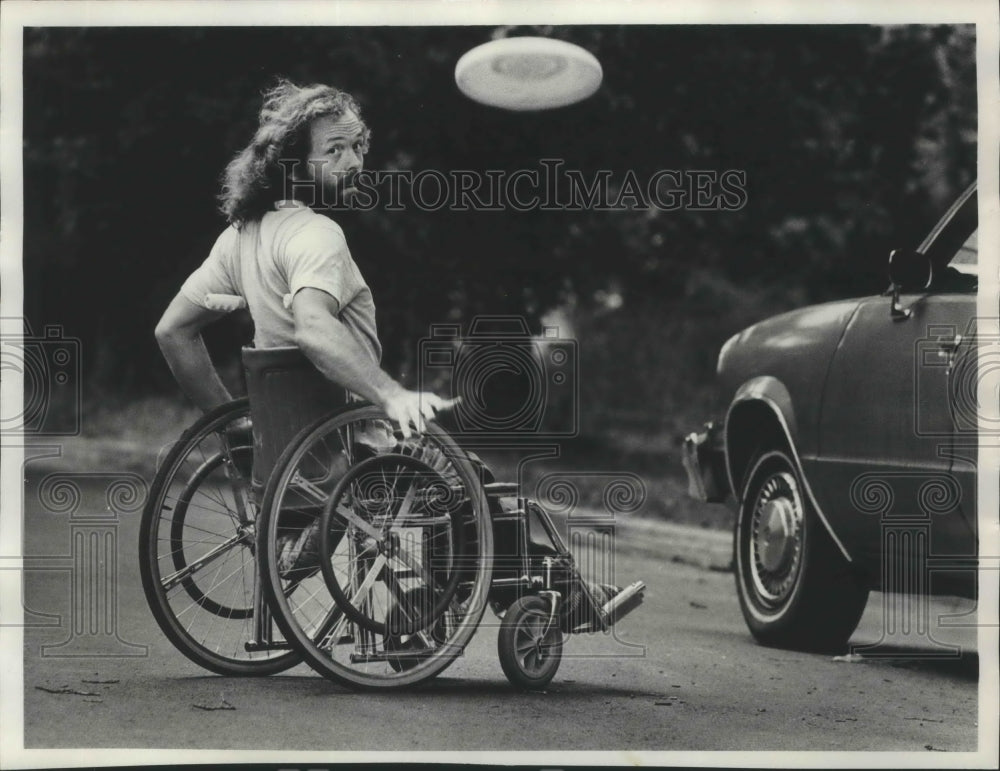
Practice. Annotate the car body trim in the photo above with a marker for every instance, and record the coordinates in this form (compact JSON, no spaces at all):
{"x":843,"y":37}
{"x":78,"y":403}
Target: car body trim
{"x":764,"y":399}
{"x":944,"y":466}
{"x":948,"y":216}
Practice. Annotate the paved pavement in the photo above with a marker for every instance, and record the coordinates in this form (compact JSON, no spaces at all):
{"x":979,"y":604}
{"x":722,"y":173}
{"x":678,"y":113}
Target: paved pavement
{"x":679,"y":675}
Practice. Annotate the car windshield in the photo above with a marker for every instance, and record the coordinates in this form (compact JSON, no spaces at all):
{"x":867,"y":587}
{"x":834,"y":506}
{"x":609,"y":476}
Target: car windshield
{"x":966,"y":259}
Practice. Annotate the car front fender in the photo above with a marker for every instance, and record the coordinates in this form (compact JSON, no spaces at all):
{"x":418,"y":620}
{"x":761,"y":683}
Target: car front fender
{"x":760,"y":413}
{"x":762,"y":416}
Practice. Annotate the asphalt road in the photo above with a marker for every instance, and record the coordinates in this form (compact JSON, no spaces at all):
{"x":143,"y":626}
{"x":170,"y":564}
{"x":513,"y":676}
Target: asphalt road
{"x":680,"y":673}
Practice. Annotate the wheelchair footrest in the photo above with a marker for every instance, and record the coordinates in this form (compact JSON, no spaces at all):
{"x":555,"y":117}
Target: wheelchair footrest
{"x":623,"y":603}
{"x":614,"y":610}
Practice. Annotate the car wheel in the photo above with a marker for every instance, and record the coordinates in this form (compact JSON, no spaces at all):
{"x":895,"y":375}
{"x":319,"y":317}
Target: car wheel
{"x":796,"y":589}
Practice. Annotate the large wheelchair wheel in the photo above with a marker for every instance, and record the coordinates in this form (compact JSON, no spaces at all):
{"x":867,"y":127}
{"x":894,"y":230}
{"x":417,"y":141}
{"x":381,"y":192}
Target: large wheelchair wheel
{"x":392,"y":538}
{"x":197,"y":548}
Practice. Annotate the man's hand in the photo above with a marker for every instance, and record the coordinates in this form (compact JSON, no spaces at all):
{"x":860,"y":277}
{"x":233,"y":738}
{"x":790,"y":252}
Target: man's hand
{"x":414,"y":408}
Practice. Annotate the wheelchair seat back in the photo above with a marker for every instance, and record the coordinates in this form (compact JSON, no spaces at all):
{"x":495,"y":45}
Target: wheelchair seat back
{"x":287,"y":393}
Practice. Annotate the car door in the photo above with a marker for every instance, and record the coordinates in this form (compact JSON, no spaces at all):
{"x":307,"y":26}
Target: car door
{"x":895,"y":460}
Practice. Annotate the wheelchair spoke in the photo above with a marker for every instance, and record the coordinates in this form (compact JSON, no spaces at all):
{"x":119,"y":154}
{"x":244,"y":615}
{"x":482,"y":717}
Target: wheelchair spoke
{"x":377,"y":564}
{"x":197,"y":559}
{"x":220,"y":580}
{"x":330,"y":639}
{"x":403,"y":542}
{"x":224,"y":511}
{"x":175,"y":578}
{"x":406,"y":504}
{"x":193,"y":528}
{"x":310,"y":491}
{"x":349,"y":516}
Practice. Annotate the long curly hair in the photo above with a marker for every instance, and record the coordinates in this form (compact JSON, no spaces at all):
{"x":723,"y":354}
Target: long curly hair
{"x":255,"y":178}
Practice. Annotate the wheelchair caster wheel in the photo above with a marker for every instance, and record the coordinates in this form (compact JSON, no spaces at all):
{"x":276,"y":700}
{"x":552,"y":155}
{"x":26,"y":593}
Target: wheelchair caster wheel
{"x":530,"y":648}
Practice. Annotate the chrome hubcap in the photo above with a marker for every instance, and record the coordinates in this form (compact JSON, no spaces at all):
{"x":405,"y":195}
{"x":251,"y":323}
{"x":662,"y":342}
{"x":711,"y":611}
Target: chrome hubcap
{"x":776,"y":538}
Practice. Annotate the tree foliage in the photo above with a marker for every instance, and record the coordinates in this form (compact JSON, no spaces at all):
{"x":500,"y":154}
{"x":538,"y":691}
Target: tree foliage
{"x":852,"y":140}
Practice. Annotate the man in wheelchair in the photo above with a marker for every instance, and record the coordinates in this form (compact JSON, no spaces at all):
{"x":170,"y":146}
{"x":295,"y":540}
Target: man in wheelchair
{"x":289,"y":263}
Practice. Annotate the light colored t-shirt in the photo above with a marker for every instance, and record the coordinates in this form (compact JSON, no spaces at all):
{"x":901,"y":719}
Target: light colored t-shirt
{"x":267,"y":261}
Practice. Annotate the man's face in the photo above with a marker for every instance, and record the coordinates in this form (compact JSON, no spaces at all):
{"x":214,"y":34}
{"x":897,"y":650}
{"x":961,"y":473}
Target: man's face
{"x":336,"y":154}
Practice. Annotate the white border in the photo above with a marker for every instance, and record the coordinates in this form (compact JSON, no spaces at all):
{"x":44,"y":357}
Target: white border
{"x":11,"y":388}
{"x":16,"y":14}
{"x":988,"y":312}
{"x":277,"y":13}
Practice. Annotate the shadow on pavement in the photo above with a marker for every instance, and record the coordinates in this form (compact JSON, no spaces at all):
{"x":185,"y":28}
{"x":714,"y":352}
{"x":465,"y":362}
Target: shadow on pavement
{"x":963,"y":666}
{"x":314,"y":685}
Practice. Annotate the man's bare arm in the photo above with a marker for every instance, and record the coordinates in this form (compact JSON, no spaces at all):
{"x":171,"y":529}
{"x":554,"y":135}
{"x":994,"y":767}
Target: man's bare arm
{"x":336,"y":353}
{"x":179,"y":336}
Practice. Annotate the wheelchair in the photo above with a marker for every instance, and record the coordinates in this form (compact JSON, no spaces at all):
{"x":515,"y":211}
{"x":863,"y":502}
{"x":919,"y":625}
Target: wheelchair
{"x":406,"y":543}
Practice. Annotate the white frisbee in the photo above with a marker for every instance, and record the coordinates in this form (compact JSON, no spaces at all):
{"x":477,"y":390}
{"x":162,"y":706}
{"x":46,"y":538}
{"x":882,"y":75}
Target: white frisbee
{"x":528,"y":73}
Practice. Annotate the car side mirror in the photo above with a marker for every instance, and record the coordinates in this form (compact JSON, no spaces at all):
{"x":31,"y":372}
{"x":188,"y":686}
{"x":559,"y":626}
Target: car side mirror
{"x":909,"y":270}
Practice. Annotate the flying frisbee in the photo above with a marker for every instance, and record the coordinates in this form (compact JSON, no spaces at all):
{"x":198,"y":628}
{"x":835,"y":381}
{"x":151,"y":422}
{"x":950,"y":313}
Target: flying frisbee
{"x":528,"y":73}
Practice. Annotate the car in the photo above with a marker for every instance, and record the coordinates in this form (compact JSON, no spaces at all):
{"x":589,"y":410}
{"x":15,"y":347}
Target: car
{"x":849,"y":444}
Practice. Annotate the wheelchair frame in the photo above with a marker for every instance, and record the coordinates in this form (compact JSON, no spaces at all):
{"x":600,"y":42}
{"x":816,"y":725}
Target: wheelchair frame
{"x":537,"y":591}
